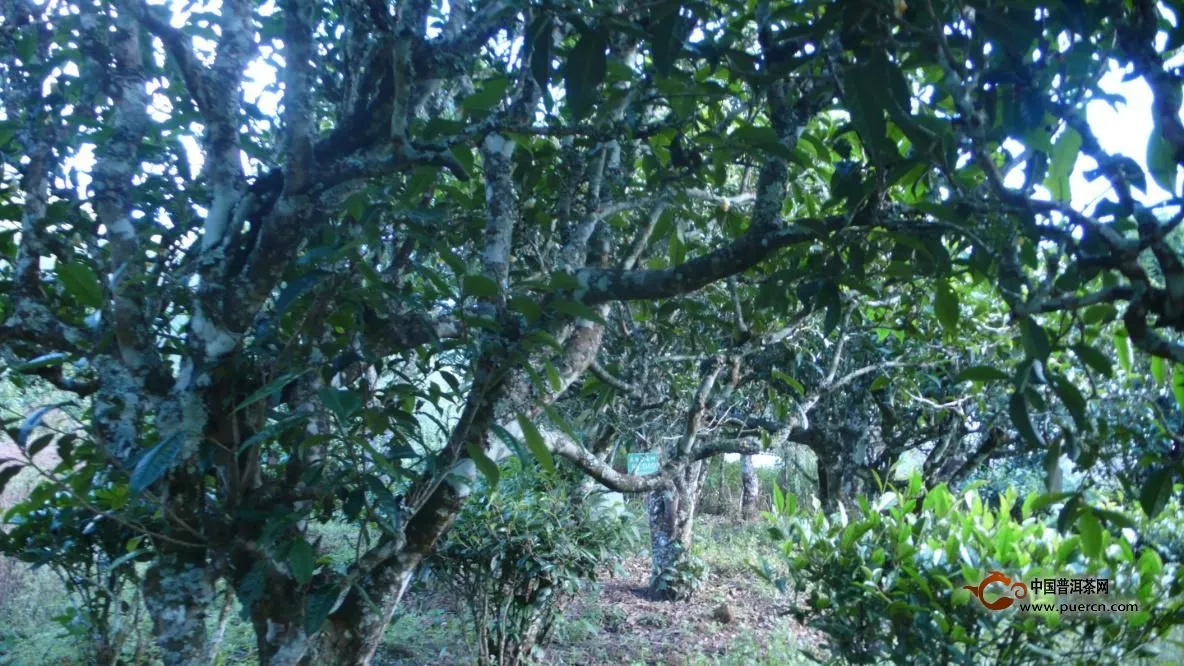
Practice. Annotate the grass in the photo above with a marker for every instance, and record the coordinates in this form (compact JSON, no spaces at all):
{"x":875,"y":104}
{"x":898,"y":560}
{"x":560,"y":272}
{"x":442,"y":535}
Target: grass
{"x":30,"y":599}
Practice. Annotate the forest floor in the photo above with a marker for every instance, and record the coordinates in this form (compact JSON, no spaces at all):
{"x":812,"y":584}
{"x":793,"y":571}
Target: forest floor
{"x":734,"y":618}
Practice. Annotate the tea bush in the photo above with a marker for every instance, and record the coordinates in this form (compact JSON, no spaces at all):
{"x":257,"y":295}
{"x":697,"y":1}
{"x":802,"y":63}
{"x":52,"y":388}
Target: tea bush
{"x":523,"y":549}
{"x":681,"y":581}
{"x":93,"y":556}
{"x":886,"y":582}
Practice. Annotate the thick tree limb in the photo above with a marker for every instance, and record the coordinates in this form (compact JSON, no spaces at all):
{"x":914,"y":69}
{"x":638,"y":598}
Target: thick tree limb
{"x":1106,"y":295}
{"x":193,"y":73}
{"x":723,"y":446}
{"x":116,"y":163}
{"x":298,"y":111}
{"x":599,"y":285}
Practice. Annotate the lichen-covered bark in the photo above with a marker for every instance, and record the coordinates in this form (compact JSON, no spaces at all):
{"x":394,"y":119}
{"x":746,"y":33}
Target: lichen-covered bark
{"x":179,"y":593}
{"x":671,"y":514}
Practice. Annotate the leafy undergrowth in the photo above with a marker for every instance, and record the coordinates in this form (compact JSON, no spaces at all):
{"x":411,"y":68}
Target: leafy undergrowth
{"x":615,"y":622}
{"x":735,"y":618}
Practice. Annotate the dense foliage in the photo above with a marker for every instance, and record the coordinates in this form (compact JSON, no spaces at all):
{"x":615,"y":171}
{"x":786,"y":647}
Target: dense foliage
{"x":886,"y":581}
{"x":520,"y":552}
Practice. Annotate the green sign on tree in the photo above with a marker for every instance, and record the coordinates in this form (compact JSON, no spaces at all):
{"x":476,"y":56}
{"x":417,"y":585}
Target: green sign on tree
{"x":643,"y":463}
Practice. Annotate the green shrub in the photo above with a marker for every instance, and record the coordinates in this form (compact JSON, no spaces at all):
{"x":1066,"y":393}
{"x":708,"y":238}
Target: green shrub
{"x":93,"y":556}
{"x":682,"y":580}
{"x":887,"y":583}
{"x":1166,"y":533}
{"x":520,"y":551}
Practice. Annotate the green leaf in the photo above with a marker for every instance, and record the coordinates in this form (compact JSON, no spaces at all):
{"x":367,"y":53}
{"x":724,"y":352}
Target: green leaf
{"x":1018,"y":410}
{"x":1161,"y":159}
{"x":1150,"y":563}
{"x":1099,"y":314}
{"x":65,"y":448}
{"x":981,"y":373}
{"x":317,"y":607}
{"x":864,"y":98}
{"x":1060,"y":167}
{"x":794,"y":384}
{"x":534,"y":442}
{"x":156,"y":462}
{"x":1035,"y":340}
{"x":667,"y":34}
{"x":1158,"y":371}
{"x":577,"y":309}
{"x":302,"y":560}
{"x":7,"y":474}
{"x":80,"y":282}
{"x":356,"y":205}
{"x":343,"y":403}
{"x":1115,"y":518}
{"x":1069,"y":513}
{"x":1178,"y":384}
{"x":1156,"y":492}
{"x":553,"y":378}
{"x":512,"y":442}
{"x":945,"y":304}
{"x":39,"y":444}
{"x":468,"y":162}
{"x":1090,"y":529}
{"x":765,"y":139}
{"x":584,"y":71}
{"x":1073,"y":401}
{"x":270,"y":389}
{"x":479,"y":286}
{"x":296,"y":288}
{"x":939,"y":500}
{"x":483,"y":462}
{"x":678,"y":250}
{"x":1123,"y":344}
{"x":33,"y":420}
{"x":1095,"y":359}
{"x":1036,"y":502}
{"x":526,"y":306}
{"x":484,"y":100}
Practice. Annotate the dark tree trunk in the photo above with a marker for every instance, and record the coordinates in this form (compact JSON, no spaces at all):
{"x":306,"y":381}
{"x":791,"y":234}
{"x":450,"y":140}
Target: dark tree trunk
{"x":750,"y":490}
{"x":671,"y":513}
{"x":828,"y":486}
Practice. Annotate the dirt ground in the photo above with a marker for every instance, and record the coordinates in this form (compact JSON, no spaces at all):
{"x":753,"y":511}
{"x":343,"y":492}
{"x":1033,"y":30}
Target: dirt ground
{"x":637,"y":628}
{"x":731,"y":620}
